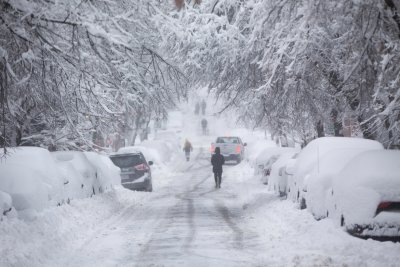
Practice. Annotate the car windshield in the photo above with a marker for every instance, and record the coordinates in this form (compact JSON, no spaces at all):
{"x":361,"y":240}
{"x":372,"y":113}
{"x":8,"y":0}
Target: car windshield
{"x":124,"y":161}
{"x":228,"y":140}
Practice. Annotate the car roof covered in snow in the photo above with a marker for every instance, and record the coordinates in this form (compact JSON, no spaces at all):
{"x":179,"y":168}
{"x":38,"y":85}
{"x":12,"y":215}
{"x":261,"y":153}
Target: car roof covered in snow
{"x":379,"y":169}
{"x":324,"y":145}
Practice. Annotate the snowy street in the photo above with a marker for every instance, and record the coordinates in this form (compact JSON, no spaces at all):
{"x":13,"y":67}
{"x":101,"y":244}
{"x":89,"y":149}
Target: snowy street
{"x":120,"y":119}
{"x":185,"y":221}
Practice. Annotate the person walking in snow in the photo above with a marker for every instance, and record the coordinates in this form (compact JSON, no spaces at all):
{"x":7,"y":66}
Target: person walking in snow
{"x":217,"y":160}
{"x":203,"y":107}
{"x":204,"y":126}
{"x":197,"y":108}
{"x":187,"y":147}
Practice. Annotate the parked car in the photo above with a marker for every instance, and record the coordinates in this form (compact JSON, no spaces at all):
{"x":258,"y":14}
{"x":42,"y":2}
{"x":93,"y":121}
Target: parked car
{"x":278,"y":177}
{"x":321,"y":177}
{"x":81,"y":178}
{"x":365,"y":195}
{"x":232,"y":148}
{"x":267,"y":158}
{"x":310,"y":156}
{"x":135,"y":170}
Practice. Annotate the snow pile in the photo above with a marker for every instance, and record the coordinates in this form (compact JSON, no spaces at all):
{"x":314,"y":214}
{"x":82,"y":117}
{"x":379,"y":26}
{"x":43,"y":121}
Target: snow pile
{"x":369,"y":179}
{"x":35,"y":179}
{"x":31,"y":177}
{"x":5,"y":204}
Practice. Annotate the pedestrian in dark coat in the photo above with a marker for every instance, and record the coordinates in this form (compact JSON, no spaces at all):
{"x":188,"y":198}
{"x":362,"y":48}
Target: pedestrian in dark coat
{"x":217,"y":160}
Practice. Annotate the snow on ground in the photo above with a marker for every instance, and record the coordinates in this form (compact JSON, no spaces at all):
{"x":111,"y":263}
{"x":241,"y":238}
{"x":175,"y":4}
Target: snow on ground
{"x":185,"y":221}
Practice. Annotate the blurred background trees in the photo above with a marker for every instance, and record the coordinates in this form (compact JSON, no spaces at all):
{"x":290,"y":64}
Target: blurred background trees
{"x":75,"y":74}
{"x":302,"y":68}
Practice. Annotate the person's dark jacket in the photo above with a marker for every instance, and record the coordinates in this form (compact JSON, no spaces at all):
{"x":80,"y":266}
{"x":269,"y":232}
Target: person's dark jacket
{"x":217,"y":160}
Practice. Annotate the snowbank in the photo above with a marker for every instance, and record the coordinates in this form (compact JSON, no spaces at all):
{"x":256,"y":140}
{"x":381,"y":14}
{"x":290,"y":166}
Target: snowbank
{"x":31,"y":177}
{"x":35,"y":179}
{"x":5,"y":204}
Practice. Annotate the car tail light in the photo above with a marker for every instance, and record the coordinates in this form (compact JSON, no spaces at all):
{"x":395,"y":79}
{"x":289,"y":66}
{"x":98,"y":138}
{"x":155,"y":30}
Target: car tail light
{"x":141,"y":167}
{"x":212,"y":149}
{"x":384,"y":205}
{"x":238,"y":149}
{"x":388,"y":206}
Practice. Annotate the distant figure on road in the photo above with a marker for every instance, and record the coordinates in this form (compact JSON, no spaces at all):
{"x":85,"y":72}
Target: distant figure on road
{"x":204,"y":126}
{"x":187,"y":147}
{"x":217,"y":160}
{"x":203,"y":107}
{"x":197,"y":108}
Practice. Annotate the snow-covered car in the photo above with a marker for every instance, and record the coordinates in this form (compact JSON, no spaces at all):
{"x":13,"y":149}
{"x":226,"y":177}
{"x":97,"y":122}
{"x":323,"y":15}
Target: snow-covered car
{"x":80,"y":174}
{"x":310,"y":156}
{"x":107,"y":173}
{"x":135,"y":170}
{"x":232,"y":148}
{"x":277,"y":181}
{"x":31,"y":177}
{"x":267,"y":158}
{"x":365,"y":195}
{"x":320,"y":179}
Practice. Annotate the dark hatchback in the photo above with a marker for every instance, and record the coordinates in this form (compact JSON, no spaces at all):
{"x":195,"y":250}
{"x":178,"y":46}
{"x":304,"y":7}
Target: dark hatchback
{"x":135,"y":171}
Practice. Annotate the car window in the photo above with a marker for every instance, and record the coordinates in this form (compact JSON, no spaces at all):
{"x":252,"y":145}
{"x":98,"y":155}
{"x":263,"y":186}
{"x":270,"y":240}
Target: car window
{"x":125,"y":161}
{"x":229,"y":140}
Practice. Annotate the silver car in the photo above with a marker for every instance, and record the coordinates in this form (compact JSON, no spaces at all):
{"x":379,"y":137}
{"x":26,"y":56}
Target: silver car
{"x":135,"y":171}
{"x":232,"y":148}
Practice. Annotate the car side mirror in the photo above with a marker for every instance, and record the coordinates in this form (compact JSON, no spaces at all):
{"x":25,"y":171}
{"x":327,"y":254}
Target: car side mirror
{"x":150,"y":163}
{"x":245,"y":144}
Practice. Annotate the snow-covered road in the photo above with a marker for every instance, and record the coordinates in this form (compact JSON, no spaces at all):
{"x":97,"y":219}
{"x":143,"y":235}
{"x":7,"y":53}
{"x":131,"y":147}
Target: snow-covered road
{"x":187,"y":222}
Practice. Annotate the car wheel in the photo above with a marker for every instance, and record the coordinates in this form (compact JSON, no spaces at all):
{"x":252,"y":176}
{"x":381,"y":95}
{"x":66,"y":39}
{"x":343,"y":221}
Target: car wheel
{"x":238,"y":160}
{"x":150,"y":187}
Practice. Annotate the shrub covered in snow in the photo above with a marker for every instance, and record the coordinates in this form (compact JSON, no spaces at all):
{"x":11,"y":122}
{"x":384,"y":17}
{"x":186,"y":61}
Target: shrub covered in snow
{"x":365,"y":195}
